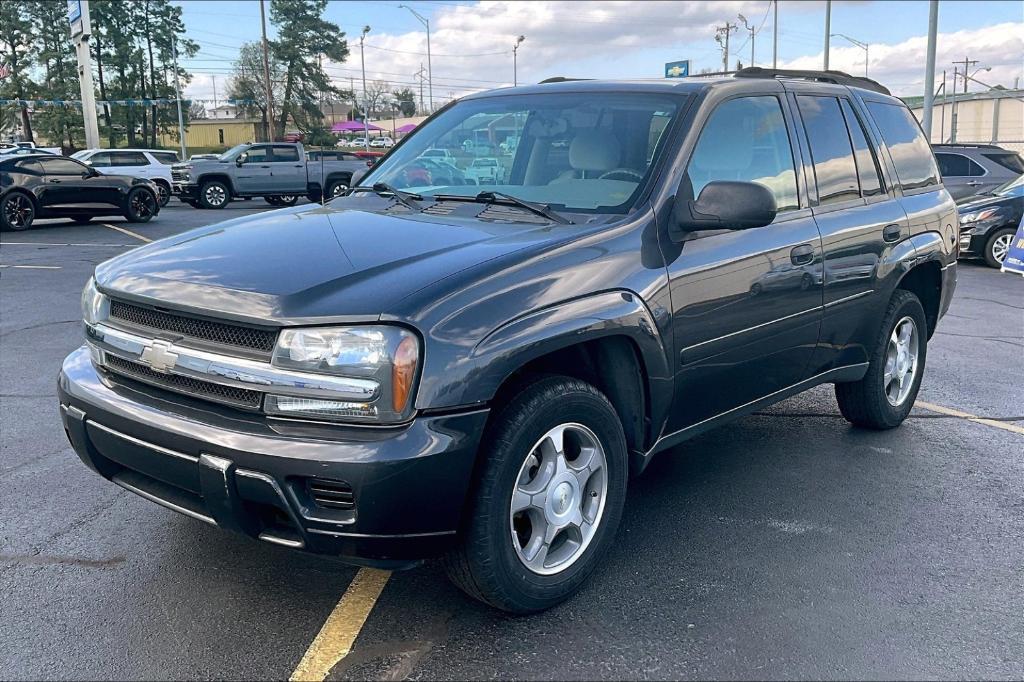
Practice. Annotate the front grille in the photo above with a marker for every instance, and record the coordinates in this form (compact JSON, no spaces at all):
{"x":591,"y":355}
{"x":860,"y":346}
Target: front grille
{"x":251,"y":338}
{"x":230,"y":395}
{"x":331,"y":494}
{"x":179,"y":176}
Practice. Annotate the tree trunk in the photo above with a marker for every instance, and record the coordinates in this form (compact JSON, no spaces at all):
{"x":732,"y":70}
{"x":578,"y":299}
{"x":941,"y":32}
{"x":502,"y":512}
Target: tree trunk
{"x":285,"y":103}
{"x":152,"y":74}
{"x":103,"y":87}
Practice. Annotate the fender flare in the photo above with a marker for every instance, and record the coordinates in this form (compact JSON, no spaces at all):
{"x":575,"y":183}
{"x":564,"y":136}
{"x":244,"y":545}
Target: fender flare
{"x":226,"y":179}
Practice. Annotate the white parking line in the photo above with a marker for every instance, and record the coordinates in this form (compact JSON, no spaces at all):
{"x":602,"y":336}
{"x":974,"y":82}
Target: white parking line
{"x":33,"y":267}
{"x":128,"y":232}
{"x":59,"y":244}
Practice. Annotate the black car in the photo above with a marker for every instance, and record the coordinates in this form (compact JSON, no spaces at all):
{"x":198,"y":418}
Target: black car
{"x":474,"y":372}
{"x":48,"y":186}
{"x":989,"y":221}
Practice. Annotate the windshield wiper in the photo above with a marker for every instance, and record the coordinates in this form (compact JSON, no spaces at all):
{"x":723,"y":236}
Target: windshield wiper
{"x":491,"y":197}
{"x":383,"y":189}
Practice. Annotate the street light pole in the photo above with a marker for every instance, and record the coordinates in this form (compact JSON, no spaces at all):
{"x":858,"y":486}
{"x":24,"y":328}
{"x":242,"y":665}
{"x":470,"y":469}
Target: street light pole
{"x":929,"y":70}
{"x":430,"y":67}
{"x":515,"y":66}
{"x":863,"y":46}
{"x":750,"y":28}
{"x":828,"y":25}
{"x":177,"y":93}
{"x":366,"y":113}
{"x":775,"y":36}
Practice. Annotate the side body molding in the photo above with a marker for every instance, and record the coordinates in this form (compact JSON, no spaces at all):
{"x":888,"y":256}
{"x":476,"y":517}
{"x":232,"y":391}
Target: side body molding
{"x":606,"y":314}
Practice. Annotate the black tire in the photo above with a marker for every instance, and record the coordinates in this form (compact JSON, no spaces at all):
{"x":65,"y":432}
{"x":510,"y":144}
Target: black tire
{"x":486,"y":564}
{"x":1000,"y":235}
{"x":214,"y":194}
{"x":865,"y":402}
{"x":336,"y":187}
{"x":163,"y":193}
{"x":273,"y":200}
{"x":288,"y":200}
{"x":141,"y":205}
{"x":81,"y":219}
{"x":17,"y":212}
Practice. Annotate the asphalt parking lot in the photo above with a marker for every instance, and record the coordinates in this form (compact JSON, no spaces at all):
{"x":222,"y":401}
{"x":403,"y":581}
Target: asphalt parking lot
{"x":785,"y":545}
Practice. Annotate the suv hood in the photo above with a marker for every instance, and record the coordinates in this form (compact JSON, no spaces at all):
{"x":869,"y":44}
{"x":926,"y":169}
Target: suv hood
{"x":309,"y":262}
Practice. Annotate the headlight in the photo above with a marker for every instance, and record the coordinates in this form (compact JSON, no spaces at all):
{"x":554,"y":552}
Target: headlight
{"x":386,"y":355}
{"x":978,"y":216}
{"x":95,"y":306}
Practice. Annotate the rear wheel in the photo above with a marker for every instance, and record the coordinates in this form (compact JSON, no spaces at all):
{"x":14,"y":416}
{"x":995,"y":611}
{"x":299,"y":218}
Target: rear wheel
{"x":997,"y":246}
{"x":336,"y":188}
{"x":214,"y":194}
{"x":886,"y":394}
{"x":17,"y":211}
{"x":548,"y":499}
{"x":141,"y":205}
{"x":273,"y":200}
{"x":163,"y":194}
{"x":287,"y":200}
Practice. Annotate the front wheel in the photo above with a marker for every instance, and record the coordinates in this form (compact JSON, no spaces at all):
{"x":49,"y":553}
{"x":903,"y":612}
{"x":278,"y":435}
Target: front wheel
{"x":997,"y":246}
{"x":548,"y":498}
{"x":214,"y":194}
{"x":336,"y":188}
{"x":886,"y":394}
{"x":141,"y":205}
{"x":163,"y":194}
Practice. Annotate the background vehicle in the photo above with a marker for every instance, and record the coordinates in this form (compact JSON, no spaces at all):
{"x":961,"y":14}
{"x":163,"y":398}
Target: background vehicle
{"x":442,"y":371}
{"x":199,"y":157}
{"x":987,"y":223}
{"x":150,"y":164}
{"x":22,"y":151}
{"x":278,"y":171}
{"x":444,"y":154}
{"x":382,"y":142}
{"x":48,"y":186}
{"x":485,"y":171}
{"x":969,"y":169}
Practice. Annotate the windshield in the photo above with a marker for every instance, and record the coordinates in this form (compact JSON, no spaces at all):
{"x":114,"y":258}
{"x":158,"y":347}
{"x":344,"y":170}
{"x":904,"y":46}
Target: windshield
{"x":589,"y":152}
{"x":1013,"y":188}
{"x":233,"y":152}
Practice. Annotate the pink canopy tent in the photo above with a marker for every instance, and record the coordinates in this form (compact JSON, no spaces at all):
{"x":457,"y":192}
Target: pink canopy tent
{"x":353,"y":127}
{"x":407,"y":128}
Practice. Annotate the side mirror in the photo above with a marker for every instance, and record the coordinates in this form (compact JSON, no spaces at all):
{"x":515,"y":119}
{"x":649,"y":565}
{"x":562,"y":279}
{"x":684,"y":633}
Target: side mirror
{"x":724,"y":205}
{"x":90,"y":173}
{"x":240,"y":159}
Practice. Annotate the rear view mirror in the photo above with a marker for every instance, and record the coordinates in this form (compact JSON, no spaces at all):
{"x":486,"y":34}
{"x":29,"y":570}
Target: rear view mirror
{"x":725,"y":205}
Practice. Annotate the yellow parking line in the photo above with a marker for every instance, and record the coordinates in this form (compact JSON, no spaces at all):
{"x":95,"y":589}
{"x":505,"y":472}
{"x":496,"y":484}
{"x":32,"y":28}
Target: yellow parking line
{"x":128,"y":232}
{"x":970,"y":417}
{"x":335,"y":639}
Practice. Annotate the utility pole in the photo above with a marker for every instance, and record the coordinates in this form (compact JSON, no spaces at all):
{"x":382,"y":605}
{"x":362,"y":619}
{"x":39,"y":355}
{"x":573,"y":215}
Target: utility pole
{"x":775,"y":36}
{"x":952,"y":116}
{"x":421,"y":76}
{"x":266,"y":74}
{"x":828,"y":28}
{"x":81,"y":30}
{"x":214,"y":77}
{"x":942,"y":120}
{"x":752,"y":32}
{"x":366,"y":114}
{"x":515,"y":65}
{"x":968,"y":63}
{"x":722,"y":34}
{"x":177,"y":93}
{"x":430,"y":67}
{"x":929,"y":69}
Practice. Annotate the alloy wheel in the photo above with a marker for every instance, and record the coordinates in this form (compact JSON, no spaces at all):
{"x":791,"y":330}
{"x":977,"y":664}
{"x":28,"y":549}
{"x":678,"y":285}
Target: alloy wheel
{"x":338,"y":188}
{"x":215,"y":195}
{"x":1001,"y":246}
{"x":901,"y":361}
{"x":142,"y":204}
{"x":559,"y":499}
{"x":163,"y":194}
{"x":18,"y":212}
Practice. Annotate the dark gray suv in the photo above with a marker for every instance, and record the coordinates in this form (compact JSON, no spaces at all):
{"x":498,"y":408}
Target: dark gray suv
{"x":423,"y":368}
{"x":974,"y":169}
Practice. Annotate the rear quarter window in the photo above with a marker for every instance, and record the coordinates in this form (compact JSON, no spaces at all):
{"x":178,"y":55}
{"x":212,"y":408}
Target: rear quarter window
{"x":910,"y":151}
{"x":1007,"y":160}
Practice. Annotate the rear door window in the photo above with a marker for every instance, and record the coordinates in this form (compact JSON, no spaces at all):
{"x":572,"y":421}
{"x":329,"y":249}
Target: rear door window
{"x":165,"y":158}
{"x":957,"y":166}
{"x":1007,"y":160}
{"x":910,"y":151}
{"x":283,"y":153}
{"x":128,"y":159}
{"x":100,"y":160}
{"x":867,"y":164}
{"x":745,"y":139}
{"x":831,"y":151}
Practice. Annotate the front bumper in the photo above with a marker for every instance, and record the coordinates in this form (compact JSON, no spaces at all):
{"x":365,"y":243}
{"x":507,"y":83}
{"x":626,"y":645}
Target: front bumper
{"x":972,"y":242}
{"x":185,"y":191}
{"x":253,"y":475}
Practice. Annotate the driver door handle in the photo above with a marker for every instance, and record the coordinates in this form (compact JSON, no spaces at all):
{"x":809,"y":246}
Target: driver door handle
{"x":55,"y":181}
{"x":264,"y":166}
{"x":802,"y":255}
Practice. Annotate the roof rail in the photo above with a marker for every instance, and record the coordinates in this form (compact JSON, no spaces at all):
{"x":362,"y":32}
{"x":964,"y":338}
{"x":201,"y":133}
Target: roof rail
{"x":837,"y":77}
{"x":562,"y":79}
{"x":976,"y":145}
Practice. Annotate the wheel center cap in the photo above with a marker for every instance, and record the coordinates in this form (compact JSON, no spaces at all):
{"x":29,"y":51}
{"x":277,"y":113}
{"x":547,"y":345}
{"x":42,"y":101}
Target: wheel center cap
{"x":562,"y":498}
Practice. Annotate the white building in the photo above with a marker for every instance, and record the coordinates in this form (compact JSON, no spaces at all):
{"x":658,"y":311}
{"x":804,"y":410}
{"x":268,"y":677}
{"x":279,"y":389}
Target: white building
{"x":992,"y":117}
{"x":223,"y":111}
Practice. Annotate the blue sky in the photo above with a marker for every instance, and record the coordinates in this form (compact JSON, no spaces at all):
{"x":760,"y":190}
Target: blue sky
{"x":614,"y":40}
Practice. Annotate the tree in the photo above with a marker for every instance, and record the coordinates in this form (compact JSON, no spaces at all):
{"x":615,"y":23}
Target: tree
{"x":376,"y":96}
{"x":17,"y":42}
{"x":196,"y":111}
{"x":59,"y":125}
{"x":406,"y":100}
{"x":247,"y":83}
{"x":303,"y":39}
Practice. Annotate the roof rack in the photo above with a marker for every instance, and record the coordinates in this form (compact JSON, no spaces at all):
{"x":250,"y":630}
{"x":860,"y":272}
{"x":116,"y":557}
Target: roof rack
{"x":562,"y":79}
{"x":837,"y":77}
{"x":976,"y":145}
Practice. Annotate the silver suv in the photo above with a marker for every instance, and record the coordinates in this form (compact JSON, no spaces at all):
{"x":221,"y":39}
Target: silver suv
{"x":970,"y":169}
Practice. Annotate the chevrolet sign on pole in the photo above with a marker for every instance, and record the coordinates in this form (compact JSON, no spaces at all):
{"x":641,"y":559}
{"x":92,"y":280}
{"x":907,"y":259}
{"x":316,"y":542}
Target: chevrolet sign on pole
{"x":677,"y":69}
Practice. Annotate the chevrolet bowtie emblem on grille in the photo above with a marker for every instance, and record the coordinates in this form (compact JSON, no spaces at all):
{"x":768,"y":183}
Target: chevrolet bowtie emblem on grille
{"x":159,"y":357}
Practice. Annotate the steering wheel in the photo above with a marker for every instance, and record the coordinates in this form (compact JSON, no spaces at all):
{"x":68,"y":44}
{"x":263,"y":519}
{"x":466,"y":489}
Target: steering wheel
{"x":628,"y":172}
